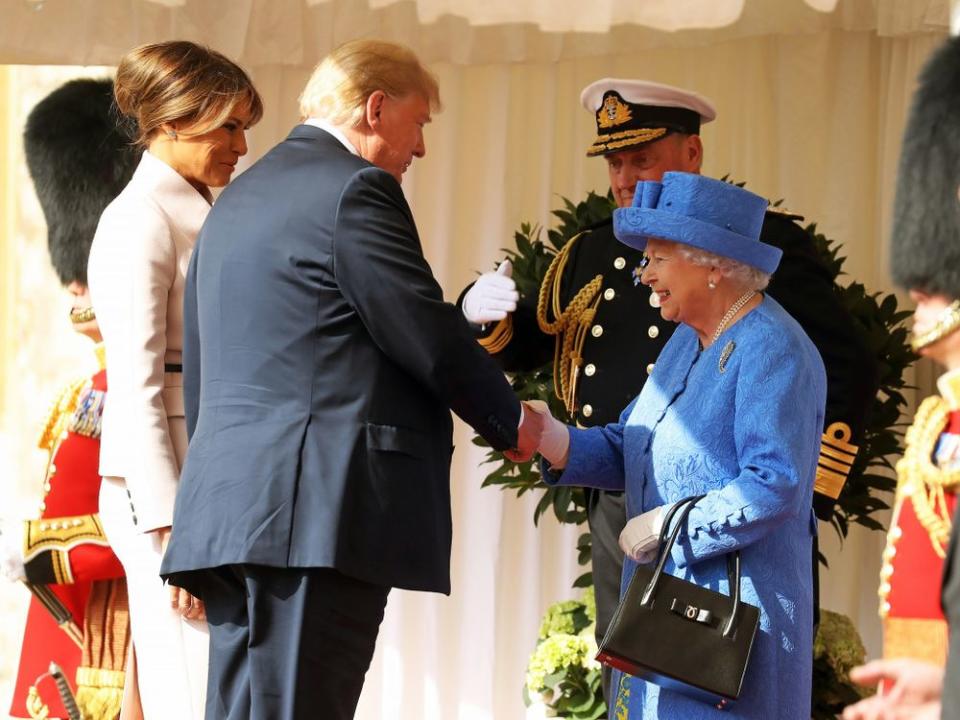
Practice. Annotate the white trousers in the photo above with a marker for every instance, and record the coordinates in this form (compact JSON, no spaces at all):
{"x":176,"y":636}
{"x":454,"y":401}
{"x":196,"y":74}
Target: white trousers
{"x":171,"y":651}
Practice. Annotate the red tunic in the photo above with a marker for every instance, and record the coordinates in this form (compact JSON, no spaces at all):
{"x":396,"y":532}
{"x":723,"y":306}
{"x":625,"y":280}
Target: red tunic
{"x":913,"y":621}
{"x":66,"y":543}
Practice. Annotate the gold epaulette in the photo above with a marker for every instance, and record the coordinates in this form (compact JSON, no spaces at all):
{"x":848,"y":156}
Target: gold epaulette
{"x":837,"y":455}
{"x":59,"y":536}
{"x":497,"y":340}
{"x":61,"y":411}
{"x":784,"y":213}
{"x":920,"y":478}
{"x":569,"y":324}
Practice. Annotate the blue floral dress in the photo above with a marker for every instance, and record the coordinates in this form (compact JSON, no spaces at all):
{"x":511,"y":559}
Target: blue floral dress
{"x":739,"y":422}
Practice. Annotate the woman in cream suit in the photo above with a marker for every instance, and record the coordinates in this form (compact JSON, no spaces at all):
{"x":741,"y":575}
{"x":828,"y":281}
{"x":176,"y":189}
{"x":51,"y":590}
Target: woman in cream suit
{"x":191,"y":107}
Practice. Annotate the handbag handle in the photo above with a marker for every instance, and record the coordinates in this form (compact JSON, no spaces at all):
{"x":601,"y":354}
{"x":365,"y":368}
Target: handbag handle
{"x":681,"y":510}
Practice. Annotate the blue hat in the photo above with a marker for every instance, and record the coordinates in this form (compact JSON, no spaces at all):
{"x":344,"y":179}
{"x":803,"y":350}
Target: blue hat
{"x":704,"y":213}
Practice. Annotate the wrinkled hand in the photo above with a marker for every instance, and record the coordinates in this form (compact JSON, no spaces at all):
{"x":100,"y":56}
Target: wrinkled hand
{"x":555,"y":441}
{"x":640,"y":536}
{"x":180,"y":600}
{"x":492,"y":296}
{"x":528,"y":436}
{"x":11,"y":557}
{"x":911,"y":689}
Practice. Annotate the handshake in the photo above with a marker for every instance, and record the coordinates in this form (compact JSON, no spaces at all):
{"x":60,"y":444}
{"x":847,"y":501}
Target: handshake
{"x":494,"y":296}
{"x":541,"y":432}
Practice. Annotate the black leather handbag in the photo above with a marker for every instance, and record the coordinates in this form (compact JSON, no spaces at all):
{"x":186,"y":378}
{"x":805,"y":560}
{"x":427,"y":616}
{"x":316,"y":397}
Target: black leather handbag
{"x":679,"y":635}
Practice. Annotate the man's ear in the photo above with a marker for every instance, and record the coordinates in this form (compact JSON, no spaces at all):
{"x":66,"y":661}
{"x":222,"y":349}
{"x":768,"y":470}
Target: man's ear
{"x":693,"y":153}
{"x":374,"y":108}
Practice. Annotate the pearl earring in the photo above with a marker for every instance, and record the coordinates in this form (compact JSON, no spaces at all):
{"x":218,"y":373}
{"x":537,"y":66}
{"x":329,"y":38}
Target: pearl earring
{"x":711,"y":284}
{"x":172,"y":134}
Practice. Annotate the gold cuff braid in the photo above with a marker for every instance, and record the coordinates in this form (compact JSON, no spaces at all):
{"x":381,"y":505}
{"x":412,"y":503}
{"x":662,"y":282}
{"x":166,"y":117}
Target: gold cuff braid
{"x":501,"y":336}
{"x":61,"y":534}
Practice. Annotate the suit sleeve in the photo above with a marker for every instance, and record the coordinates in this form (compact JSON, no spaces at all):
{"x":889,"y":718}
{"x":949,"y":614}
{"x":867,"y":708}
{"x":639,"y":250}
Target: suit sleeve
{"x":381,"y":271}
{"x":139,"y":268}
{"x":803,"y":286}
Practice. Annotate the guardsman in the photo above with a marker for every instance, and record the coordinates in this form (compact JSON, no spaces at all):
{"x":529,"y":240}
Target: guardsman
{"x":78,"y":161}
{"x":925,"y":260}
{"x":919,"y":674}
{"x":603,"y":329}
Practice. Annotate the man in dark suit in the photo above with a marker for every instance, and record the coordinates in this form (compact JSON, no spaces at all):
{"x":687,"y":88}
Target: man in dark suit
{"x":320,"y":367}
{"x":604,"y":327}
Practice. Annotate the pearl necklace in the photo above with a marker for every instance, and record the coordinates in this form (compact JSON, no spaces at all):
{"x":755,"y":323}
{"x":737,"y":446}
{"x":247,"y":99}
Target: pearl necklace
{"x":734,"y":309}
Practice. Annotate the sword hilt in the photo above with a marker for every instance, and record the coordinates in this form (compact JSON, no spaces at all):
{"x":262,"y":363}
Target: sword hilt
{"x":66,"y":693}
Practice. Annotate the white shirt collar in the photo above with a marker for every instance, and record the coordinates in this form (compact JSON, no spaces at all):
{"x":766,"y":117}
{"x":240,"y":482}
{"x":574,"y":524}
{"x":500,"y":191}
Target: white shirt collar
{"x":333,"y":130}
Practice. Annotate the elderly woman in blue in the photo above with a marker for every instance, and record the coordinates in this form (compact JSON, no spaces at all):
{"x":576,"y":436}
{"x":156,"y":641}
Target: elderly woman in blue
{"x":733,"y":410}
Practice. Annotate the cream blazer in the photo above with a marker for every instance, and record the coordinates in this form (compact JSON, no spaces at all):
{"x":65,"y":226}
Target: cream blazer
{"x":136,"y":273}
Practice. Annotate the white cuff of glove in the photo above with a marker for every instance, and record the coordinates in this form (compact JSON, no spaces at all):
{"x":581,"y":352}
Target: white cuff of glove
{"x":11,"y":558}
{"x":641,"y":535}
{"x":555,"y":441}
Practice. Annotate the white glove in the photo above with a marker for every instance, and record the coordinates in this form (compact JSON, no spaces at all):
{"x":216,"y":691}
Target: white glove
{"x":11,"y":557}
{"x":641,"y":534}
{"x":492,"y":296}
{"x":555,"y":441}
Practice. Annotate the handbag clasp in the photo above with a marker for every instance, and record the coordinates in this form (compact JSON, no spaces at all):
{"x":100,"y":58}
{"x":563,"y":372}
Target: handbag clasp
{"x":691,"y":612}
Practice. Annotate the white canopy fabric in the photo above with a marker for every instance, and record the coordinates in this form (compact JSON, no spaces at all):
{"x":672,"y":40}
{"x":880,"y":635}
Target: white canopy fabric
{"x":300,"y":32}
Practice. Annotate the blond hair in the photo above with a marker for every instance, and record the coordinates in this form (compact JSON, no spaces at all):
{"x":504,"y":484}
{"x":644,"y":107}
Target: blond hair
{"x":340,"y":85}
{"x":180,"y":81}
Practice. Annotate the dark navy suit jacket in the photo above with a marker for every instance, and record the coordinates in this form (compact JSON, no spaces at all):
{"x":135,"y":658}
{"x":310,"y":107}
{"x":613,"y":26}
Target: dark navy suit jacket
{"x":320,"y":367}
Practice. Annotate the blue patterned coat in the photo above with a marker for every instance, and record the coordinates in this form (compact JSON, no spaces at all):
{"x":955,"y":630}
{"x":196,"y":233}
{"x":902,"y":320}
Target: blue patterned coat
{"x":741,"y":422}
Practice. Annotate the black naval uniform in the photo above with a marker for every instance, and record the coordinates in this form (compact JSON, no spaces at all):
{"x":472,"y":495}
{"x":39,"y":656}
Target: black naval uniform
{"x":627,"y":334}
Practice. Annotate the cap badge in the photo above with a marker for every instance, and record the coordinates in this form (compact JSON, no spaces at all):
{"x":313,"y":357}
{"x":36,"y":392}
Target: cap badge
{"x":614,"y":112}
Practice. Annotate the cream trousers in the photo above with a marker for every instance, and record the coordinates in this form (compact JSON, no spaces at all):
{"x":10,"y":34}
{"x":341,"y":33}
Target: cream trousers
{"x":171,"y":651}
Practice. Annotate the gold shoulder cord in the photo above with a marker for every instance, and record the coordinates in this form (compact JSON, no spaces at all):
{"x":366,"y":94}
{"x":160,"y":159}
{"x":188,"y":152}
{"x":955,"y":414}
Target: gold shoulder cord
{"x":570,"y":325}
{"x":921,"y":479}
{"x":60,"y":413}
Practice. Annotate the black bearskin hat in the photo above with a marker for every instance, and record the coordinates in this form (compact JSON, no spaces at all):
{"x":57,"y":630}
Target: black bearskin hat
{"x":925,"y":251}
{"x":79,"y":160}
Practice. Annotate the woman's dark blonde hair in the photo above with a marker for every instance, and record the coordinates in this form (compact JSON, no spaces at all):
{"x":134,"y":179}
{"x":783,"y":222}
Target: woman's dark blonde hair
{"x":180,"y":81}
